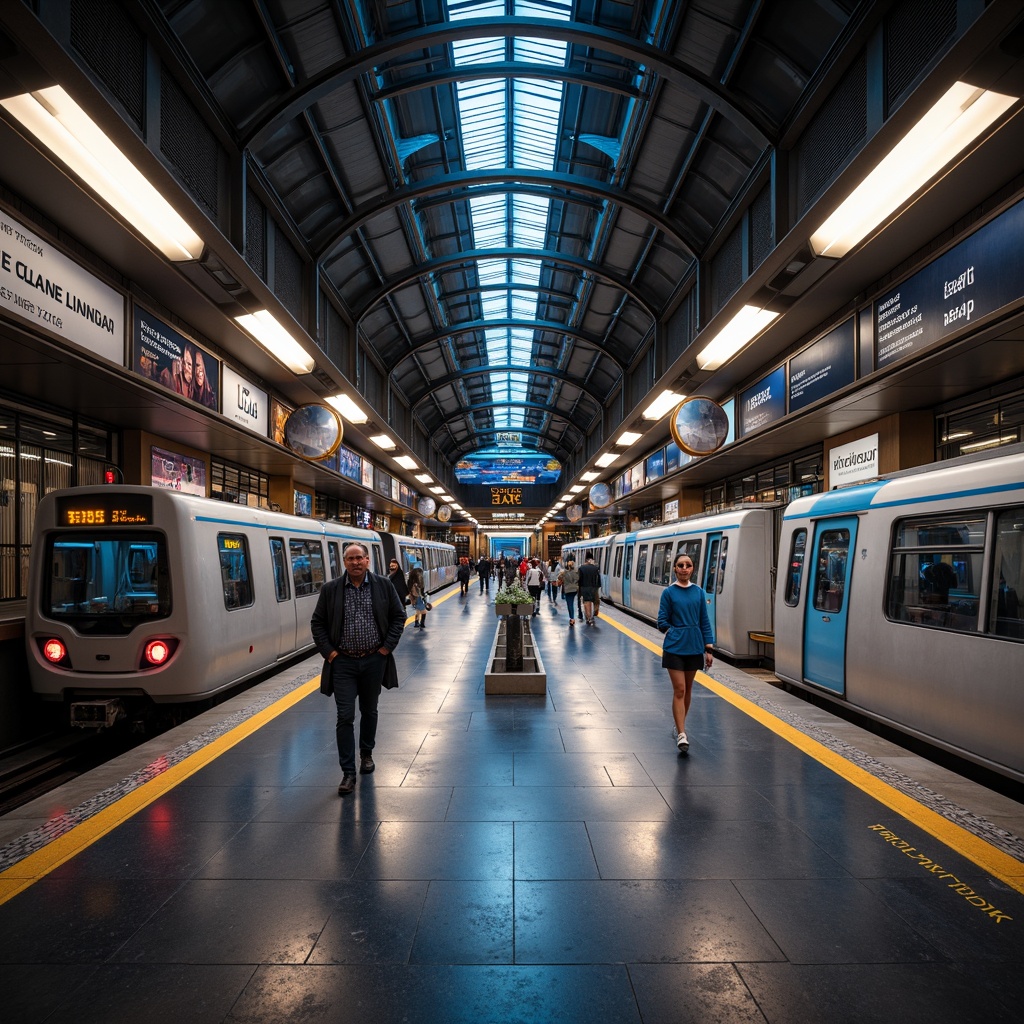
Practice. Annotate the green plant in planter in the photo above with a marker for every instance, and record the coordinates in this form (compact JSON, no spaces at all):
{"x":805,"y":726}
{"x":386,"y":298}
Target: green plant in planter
{"x":515,"y":593}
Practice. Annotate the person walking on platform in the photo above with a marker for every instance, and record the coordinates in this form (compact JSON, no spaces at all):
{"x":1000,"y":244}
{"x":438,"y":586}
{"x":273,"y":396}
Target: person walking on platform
{"x":569,"y":581}
{"x":554,"y":568}
{"x":484,"y":570}
{"x":418,"y":597}
{"x":397,"y":578}
{"x":535,"y":584}
{"x":689,"y":641}
{"x":356,"y":626}
{"x":462,"y":575}
{"x":590,"y":585}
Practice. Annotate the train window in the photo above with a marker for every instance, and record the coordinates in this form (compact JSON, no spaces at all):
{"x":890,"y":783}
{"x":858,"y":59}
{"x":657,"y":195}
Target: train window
{"x":795,"y":570}
{"x":1006,"y":608}
{"x":934,"y":567}
{"x":307,"y":566}
{"x":112,"y":582}
{"x":618,"y":561}
{"x":722,"y":557}
{"x":412,"y":557}
{"x":830,"y":577}
{"x":334,"y":557}
{"x":607,"y":559}
{"x":711,"y":569}
{"x":233,"y":549}
{"x":691,"y":548}
{"x":280,"y":565}
{"x":641,"y":564}
{"x":660,"y":563}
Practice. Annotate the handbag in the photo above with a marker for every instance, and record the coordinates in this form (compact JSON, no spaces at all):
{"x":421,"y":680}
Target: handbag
{"x":427,"y":604}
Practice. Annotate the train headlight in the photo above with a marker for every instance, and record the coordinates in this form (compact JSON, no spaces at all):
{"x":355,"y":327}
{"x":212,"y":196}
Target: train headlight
{"x":54,"y":651}
{"x":158,"y":652}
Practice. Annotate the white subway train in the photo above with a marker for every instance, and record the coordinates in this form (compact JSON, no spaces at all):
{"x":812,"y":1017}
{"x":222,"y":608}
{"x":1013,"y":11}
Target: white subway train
{"x":733,"y":560}
{"x":902,"y":598}
{"x":140,"y":595}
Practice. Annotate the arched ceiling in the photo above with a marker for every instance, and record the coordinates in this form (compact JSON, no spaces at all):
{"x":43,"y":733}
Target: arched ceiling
{"x":506,"y":196}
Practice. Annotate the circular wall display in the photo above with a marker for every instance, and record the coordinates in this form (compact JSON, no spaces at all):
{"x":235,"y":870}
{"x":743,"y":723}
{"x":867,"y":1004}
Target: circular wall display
{"x":313,"y":432}
{"x":426,"y":507}
{"x":600,"y":496}
{"x":444,"y":513}
{"x":574,"y":513}
{"x":699,"y":426}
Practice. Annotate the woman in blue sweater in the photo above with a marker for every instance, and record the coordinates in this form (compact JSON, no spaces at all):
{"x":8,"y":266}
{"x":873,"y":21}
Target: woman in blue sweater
{"x":689,"y":640}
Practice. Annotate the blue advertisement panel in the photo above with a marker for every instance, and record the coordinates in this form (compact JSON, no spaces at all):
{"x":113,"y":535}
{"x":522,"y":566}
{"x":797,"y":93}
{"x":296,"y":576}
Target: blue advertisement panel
{"x":973,"y":279}
{"x":822,"y":368}
{"x":675,"y":457}
{"x":350,"y":464}
{"x":655,"y":466}
{"x":526,"y":468}
{"x":764,"y":403}
{"x":175,"y":362}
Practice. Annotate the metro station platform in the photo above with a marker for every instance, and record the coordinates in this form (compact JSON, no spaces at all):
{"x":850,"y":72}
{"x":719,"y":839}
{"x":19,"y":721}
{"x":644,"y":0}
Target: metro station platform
{"x":531,"y":859}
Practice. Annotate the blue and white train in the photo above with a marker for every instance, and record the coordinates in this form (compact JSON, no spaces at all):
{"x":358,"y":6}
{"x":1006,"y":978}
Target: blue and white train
{"x":140,"y":595}
{"x":901,"y":599}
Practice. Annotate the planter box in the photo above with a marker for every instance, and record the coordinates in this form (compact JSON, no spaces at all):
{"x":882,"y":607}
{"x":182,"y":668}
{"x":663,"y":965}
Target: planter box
{"x":521,"y":610}
{"x":532,"y":680}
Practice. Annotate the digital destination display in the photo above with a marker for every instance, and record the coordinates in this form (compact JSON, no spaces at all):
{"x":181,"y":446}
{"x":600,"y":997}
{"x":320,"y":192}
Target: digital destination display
{"x":105,"y":510}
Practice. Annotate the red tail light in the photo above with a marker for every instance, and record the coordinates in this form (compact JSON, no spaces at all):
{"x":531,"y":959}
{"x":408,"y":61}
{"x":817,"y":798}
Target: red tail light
{"x":54,"y":650}
{"x":157,"y":652}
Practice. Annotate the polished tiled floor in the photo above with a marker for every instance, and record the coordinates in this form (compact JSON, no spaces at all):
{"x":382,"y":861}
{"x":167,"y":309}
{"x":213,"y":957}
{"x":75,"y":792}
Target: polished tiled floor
{"x":520,"y":859}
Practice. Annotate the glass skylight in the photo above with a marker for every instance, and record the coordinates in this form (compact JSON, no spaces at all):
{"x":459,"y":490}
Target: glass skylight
{"x":509,"y":124}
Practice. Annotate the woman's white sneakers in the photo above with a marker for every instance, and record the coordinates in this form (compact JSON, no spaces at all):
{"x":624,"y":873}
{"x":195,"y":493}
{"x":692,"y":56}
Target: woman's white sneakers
{"x":683,"y":743}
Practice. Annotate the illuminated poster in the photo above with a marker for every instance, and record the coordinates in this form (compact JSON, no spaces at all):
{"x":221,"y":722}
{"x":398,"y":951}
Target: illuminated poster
{"x":177,"y":472}
{"x":349,"y":463}
{"x":175,"y":362}
{"x":517,"y":469}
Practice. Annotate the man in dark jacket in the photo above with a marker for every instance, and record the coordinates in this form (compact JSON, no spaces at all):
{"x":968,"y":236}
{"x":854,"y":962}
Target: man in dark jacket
{"x":484,"y":569}
{"x":356,"y":625}
{"x":590,"y":587}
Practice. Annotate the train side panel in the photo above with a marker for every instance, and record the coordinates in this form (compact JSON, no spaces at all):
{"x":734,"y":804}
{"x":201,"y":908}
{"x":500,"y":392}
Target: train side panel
{"x":939,"y":661}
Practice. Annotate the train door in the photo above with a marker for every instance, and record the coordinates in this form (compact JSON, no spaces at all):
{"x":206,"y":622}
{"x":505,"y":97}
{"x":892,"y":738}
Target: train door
{"x":827,"y":604}
{"x":629,"y":542}
{"x":714,"y":570}
{"x":286,"y":618}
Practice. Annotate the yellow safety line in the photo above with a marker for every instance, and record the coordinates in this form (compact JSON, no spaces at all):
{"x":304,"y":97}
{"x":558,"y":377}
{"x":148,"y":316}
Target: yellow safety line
{"x":36,"y":865}
{"x":993,"y":860}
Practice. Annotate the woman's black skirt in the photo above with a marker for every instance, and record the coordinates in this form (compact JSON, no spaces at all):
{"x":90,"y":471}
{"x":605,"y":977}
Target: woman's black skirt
{"x":683,"y":662}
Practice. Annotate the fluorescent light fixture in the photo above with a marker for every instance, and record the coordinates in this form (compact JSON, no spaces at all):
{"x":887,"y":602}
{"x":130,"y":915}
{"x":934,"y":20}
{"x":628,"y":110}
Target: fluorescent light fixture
{"x":576,"y":488}
{"x":589,"y":476}
{"x":992,"y":442}
{"x":565,"y":497}
{"x":436,"y":490}
{"x":61,"y":125}
{"x":276,"y":340}
{"x":347,"y":408}
{"x":447,"y":497}
{"x":383,"y":441}
{"x":405,"y":461}
{"x":558,"y":505}
{"x":629,"y":437}
{"x":606,"y":460}
{"x":425,"y":478}
{"x":743,"y":327}
{"x":662,"y":405}
{"x":945,"y":131}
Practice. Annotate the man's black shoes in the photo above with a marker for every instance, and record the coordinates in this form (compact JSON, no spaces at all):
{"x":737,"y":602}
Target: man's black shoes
{"x":366,"y":764}
{"x":347,"y":784}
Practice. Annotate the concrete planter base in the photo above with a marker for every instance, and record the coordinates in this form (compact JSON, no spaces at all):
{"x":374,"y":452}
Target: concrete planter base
{"x":533,"y":678}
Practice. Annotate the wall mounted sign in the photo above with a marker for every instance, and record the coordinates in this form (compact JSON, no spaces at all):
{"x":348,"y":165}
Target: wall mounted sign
{"x":973,"y":279}
{"x":699,"y":426}
{"x":600,"y":496}
{"x":822,"y":368}
{"x":850,"y":463}
{"x":175,"y":362}
{"x":518,"y":469}
{"x":42,"y":286}
{"x":313,"y":432}
{"x":764,"y":403}
{"x":244,"y":403}
{"x":506,"y":495}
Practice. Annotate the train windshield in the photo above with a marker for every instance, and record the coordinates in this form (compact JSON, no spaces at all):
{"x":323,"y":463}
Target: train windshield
{"x":108,"y":583}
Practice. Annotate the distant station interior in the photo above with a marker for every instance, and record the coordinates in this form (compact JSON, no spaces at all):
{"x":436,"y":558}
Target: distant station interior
{"x":490,"y":280}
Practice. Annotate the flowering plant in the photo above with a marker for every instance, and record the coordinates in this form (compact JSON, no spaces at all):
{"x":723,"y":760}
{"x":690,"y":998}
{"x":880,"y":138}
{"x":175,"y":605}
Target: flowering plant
{"x":513,"y":593}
